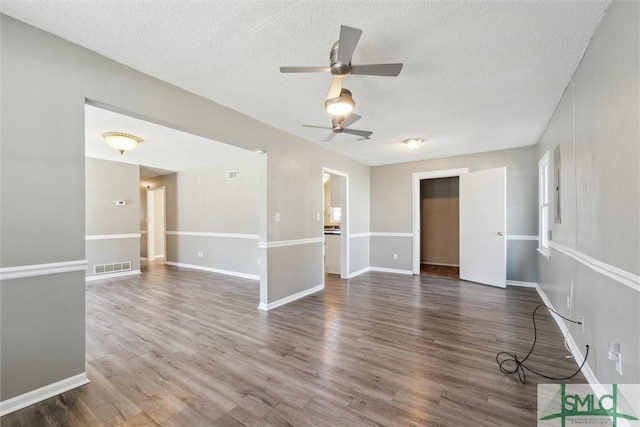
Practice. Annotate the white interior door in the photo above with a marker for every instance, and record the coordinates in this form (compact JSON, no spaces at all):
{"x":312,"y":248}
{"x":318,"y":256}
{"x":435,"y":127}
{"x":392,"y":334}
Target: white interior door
{"x":483,"y":223}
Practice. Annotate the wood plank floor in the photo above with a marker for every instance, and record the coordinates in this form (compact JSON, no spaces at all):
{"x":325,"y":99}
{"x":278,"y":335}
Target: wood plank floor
{"x":179,"y":347}
{"x":440,"y":271}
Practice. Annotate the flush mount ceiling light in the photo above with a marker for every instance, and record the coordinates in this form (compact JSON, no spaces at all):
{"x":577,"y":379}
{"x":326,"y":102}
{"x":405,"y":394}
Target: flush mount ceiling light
{"x":121,"y":141}
{"x":413,"y":143}
{"x":340,"y":106}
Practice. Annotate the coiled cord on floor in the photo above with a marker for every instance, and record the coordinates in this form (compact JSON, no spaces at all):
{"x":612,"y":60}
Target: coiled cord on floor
{"x":510,"y":364}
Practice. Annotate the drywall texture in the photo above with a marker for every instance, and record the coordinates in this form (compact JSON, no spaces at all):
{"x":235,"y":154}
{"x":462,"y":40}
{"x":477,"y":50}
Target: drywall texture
{"x":46,"y":80}
{"x":391,"y":204}
{"x":599,"y":195}
{"x":42,"y":329}
{"x":440,"y":221}
{"x":202,"y":201}
{"x":106,"y":183}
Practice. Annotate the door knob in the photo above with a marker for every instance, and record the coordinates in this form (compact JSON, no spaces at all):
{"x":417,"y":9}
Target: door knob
{"x":500,"y":233}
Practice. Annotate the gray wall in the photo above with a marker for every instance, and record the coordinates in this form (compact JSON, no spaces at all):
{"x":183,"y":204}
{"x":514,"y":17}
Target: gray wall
{"x":46,"y":80}
{"x":599,"y":195}
{"x":203,"y":201}
{"x":106,"y":183}
{"x":391,"y":207}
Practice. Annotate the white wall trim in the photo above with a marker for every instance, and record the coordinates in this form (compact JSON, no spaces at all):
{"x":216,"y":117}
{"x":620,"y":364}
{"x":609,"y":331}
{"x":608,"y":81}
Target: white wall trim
{"x":416,"y":177}
{"x":215,"y":270}
{"x":390,"y":270}
{"x":207,"y":234}
{"x":111,"y":275}
{"x":22,"y":271}
{"x":442,"y":264}
{"x":112,"y":236}
{"x":42,"y":393}
{"x":521,"y":237}
{"x":290,"y":298}
{"x":143,"y":258}
{"x":388,"y":234}
{"x":143,"y":231}
{"x":357,"y":235}
{"x":359,"y":272}
{"x":578,"y":357}
{"x":282,"y":243}
{"x":624,"y":277}
{"x":522,"y":284}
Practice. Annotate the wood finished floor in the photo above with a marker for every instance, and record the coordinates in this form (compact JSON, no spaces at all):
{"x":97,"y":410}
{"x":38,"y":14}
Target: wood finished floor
{"x":179,"y":347}
{"x":440,"y":271}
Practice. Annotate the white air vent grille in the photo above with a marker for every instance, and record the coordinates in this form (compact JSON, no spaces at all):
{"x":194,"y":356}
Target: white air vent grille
{"x":116,"y":267}
{"x":232,"y":175}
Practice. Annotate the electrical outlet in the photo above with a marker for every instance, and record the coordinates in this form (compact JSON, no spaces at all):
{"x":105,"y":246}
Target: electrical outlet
{"x":258,"y":261}
{"x":318,"y":217}
{"x":200,"y":254}
{"x":395,"y":256}
{"x":582,"y":323}
{"x":277,"y":216}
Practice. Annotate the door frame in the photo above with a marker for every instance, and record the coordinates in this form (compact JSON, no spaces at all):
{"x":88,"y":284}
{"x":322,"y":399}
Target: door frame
{"x":344,"y":224}
{"x":151,"y":235}
{"x":416,"y":177}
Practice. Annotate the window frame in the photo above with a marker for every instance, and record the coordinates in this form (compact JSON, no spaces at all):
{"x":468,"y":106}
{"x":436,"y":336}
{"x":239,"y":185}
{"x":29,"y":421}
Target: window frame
{"x":544,"y":168}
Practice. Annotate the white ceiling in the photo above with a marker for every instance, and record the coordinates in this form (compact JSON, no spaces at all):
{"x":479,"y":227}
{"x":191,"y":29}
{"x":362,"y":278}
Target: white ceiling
{"x":162,"y":150}
{"x":477,"y":76}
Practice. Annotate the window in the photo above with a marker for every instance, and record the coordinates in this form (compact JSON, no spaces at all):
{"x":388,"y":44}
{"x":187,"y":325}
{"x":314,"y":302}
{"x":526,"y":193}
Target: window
{"x":543,"y":203}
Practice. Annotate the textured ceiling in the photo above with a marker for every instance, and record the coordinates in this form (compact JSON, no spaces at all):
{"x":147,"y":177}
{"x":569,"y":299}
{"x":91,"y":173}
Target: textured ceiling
{"x":163,"y":150}
{"x":477,"y":76}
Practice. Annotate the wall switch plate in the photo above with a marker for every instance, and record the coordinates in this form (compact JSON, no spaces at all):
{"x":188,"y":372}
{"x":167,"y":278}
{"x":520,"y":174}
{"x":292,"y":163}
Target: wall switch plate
{"x":317,"y":217}
{"x":200,"y":254}
{"x":568,"y":302}
{"x":395,"y":256}
{"x":258,"y":261}
{"x":619,"y":363}
{"x":277,"y":216}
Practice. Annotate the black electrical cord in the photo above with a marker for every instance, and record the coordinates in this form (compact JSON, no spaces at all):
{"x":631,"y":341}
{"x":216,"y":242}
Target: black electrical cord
{"x":519,"y":366}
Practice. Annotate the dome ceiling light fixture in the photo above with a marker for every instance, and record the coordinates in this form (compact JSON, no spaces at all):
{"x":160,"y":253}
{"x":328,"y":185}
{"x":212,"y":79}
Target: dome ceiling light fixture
{"x":342,"y":105}
{"x":413,"y":143}
{"x":121,"y":141}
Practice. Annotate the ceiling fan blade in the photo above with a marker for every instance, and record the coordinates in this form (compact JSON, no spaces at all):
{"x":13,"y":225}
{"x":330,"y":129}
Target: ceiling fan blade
{"x":363,"y":133}
{"x":349,"y":38}
{"x":390,"y":70}
{"x":305,"y":69}
{"x":329,"y":137}
{"x":317,"y":127}
{"x":351,"y":119}
{"x":335,"y":89}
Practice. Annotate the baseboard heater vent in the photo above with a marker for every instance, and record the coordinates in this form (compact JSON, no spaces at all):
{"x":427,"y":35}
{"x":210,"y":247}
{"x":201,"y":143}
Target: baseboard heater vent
{"x":116,"y":267}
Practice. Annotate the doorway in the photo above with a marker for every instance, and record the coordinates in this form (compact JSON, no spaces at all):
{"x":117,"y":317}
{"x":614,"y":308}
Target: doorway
{"x":156,"y":228}
{"x":335,"y":222}
{"x":440,"y":227}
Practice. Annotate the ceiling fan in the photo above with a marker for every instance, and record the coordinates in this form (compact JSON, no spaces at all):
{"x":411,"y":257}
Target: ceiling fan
{"x":339,"y":124}
{"x":340,"y":63}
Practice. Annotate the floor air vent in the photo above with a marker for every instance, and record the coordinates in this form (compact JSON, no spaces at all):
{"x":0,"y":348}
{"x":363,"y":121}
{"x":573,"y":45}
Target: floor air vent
{"x":116,"y":267}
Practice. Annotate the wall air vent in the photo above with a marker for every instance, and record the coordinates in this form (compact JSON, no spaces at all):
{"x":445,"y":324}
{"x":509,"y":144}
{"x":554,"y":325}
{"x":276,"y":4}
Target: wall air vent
{"x":116,"y":267}
{"x":232,"y":175}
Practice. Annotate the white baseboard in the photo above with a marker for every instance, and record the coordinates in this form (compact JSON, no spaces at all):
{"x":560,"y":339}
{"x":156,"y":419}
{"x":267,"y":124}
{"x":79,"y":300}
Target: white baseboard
{"x":390,"y":270}
{"x":359,"y":272}
{"x":522,"y":284}
{"x":42,"y":393}
{"x":578,"y":357}
{"x":111,"y":276}
{"x":439,"y":264}
{"x":158,"y":256}
{"x":290,"y":298}
{"x":215,"y":270}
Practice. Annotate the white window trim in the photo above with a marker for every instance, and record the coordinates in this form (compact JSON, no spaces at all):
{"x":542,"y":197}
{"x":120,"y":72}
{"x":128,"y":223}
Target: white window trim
{"x":543,"y":205}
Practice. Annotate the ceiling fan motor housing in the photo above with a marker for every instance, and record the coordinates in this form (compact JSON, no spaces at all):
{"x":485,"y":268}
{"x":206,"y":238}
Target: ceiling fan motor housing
{"x":337,"y":68}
